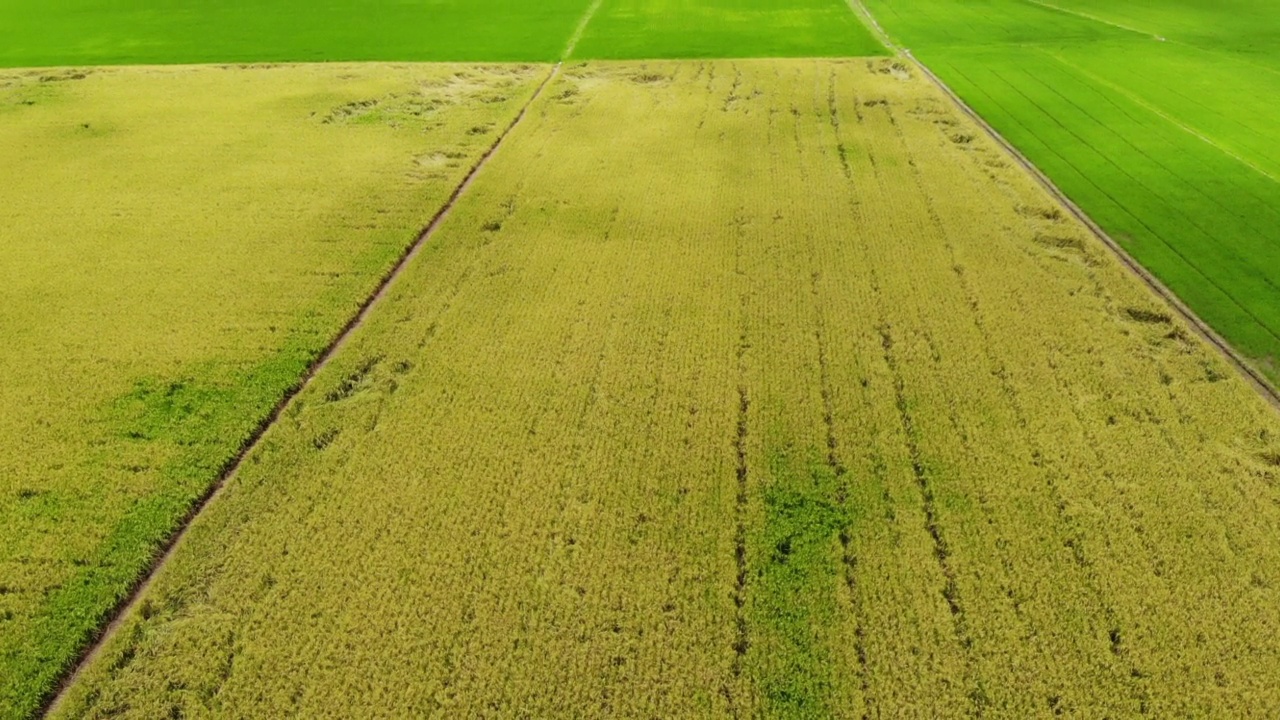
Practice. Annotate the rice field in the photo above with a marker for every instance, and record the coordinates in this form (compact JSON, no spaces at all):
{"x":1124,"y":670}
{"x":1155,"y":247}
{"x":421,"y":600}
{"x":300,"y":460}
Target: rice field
{"x":857,"y":423}
{"x":176,"y":247}
{"x":636,"y":358}
{"x":647,"y":29}
{"x":34,"y":33}
{"x":1157,"y":118}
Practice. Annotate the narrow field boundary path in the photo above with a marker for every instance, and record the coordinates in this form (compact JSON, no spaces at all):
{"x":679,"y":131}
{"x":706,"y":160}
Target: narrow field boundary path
{"x":581,"y":29}
{"x":870,"y":21}
{"x":1242,"y":365}
{"x":145,"y":580}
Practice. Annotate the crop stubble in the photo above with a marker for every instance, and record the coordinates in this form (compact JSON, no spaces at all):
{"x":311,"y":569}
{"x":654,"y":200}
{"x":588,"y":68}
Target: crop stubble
{"x":858,"y":422}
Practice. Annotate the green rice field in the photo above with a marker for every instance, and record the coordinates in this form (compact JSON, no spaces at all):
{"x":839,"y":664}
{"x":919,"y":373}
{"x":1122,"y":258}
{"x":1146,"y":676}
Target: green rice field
{"x":85,"y":32}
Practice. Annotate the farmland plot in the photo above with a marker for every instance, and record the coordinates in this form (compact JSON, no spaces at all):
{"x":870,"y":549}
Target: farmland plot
{"x":78,"y":32}
{"x":855,"y":423}
{"x":1157,"y":118}
{"x":644,"y":29}
{"x":176,"y":246}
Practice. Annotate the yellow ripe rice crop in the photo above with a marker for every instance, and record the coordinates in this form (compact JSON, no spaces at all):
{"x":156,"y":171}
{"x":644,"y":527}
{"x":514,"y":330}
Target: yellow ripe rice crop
{"x":176,"y":246}
{"x":763,"y":388}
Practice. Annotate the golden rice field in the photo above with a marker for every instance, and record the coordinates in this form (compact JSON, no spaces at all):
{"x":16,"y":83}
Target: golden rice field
{"x":176,"y":246}
{"x":729,"y":389}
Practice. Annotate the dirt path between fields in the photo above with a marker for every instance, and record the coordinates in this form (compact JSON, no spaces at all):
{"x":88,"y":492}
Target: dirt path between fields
{"x":1242,"y":365}
{"x":144,"y":581}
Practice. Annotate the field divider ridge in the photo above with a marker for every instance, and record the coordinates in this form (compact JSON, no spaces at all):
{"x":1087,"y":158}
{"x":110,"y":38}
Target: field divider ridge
{"x":872,"y":24}
{"x":1251,"y":375}
{"x":144,"y":581}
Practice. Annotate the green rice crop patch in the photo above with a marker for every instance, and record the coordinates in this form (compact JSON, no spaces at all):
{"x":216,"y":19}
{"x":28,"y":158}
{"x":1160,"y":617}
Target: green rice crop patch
{"x":84,"y":32}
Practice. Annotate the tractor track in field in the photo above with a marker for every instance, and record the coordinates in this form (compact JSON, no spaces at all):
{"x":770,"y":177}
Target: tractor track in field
{"x":1243,"y":367}
{"x":144,"y":581}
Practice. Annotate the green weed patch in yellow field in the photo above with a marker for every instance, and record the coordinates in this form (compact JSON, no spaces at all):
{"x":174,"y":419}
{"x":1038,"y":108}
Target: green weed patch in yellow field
{"x":176,"y":246}
{"x":767,"y":388}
